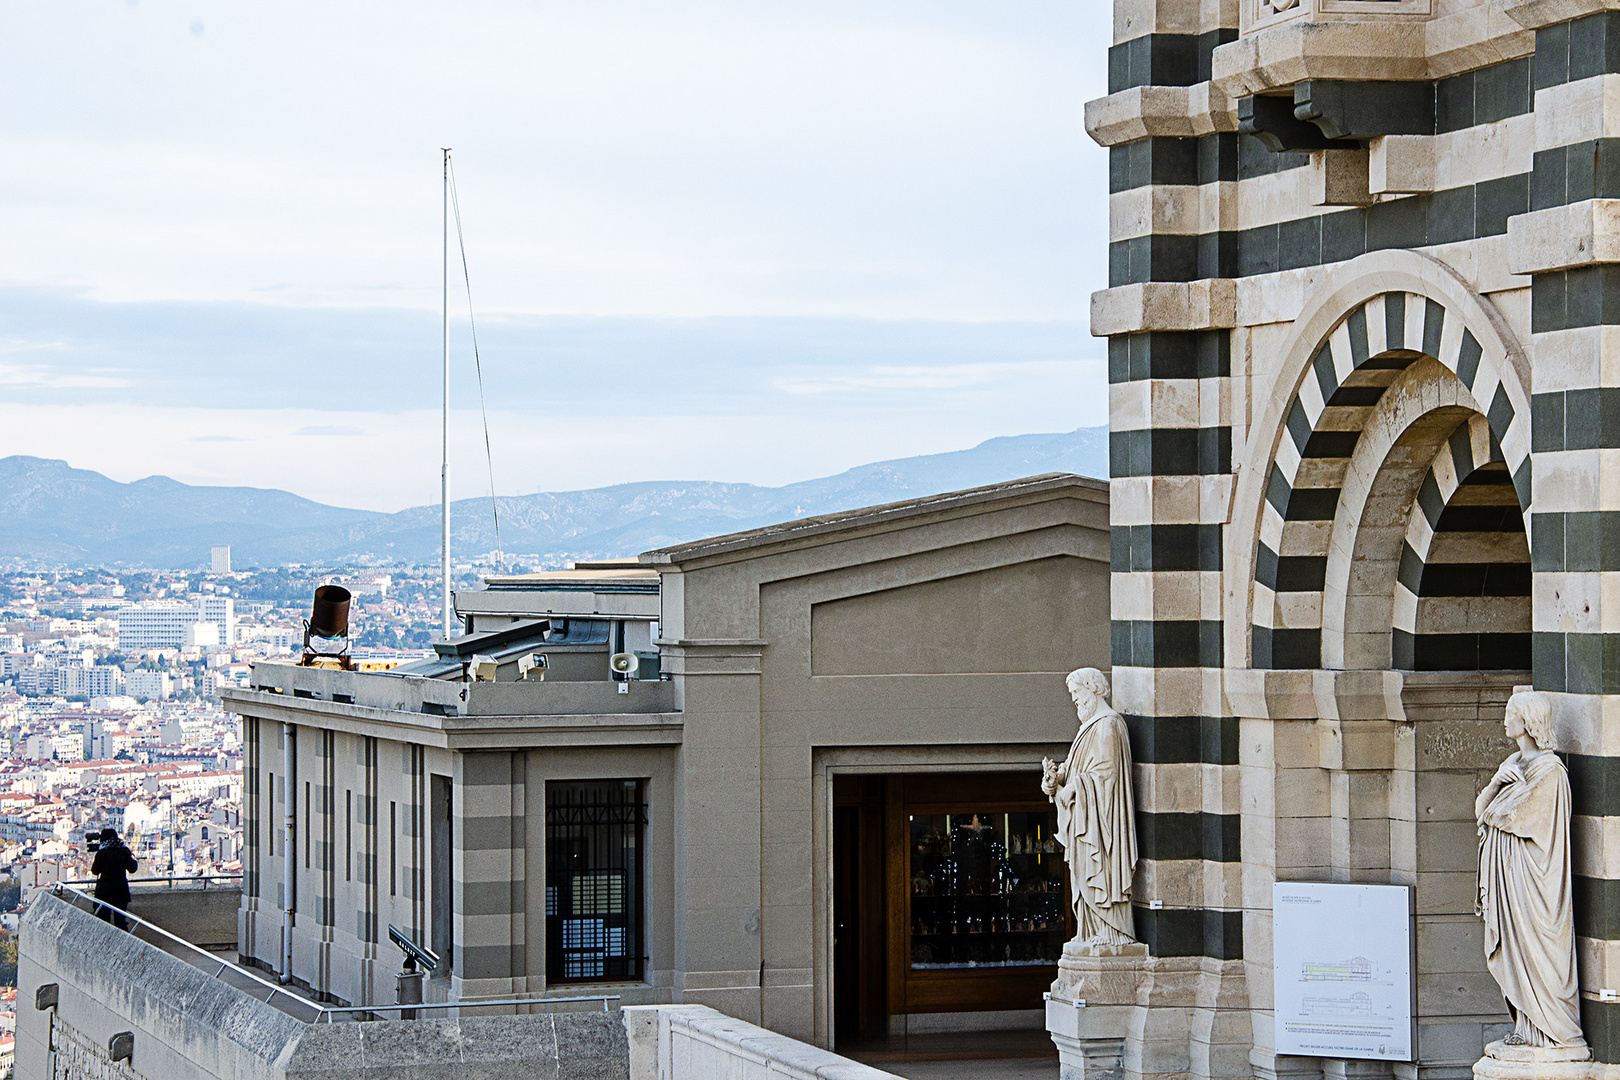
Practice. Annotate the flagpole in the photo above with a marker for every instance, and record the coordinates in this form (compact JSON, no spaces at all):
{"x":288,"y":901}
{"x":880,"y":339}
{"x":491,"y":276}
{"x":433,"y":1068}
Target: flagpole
{"x":444,"y":463}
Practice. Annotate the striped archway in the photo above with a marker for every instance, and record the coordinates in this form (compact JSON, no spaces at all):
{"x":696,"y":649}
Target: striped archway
{"x":1462,"y":592}
{"x":1438,"y":353}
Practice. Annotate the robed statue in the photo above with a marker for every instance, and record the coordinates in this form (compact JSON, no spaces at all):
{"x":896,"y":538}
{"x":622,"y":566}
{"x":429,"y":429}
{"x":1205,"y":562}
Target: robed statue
{"x":1096,"y":814}
{"x":1524,"y":887}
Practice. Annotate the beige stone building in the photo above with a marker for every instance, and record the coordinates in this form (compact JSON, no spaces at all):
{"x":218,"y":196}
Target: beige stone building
{"x":811,"y":800}
{"x":1363,"y":426}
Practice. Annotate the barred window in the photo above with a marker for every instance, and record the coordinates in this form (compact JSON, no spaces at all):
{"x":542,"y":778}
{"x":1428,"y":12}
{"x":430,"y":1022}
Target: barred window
{"x":594,"y":880}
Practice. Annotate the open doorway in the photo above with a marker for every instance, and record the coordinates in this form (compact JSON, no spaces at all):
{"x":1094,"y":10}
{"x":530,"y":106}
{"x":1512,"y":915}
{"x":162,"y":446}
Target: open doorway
{"x":860,"y":991}
{"x":950,"y":910}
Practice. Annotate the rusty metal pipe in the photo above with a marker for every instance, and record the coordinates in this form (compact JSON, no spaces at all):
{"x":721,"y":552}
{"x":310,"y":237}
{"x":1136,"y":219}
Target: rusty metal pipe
{"x":329,"y":616}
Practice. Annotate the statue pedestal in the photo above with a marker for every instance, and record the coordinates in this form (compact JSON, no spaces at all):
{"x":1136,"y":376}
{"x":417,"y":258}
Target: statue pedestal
{"x":1088,"y":1011}
{"x":1503,"y":1062}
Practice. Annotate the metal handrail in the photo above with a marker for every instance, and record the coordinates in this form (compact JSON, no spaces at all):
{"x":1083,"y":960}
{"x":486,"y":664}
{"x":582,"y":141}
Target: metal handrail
{"x":67,"y":891}
{"x":60,"y":888}
{"x":172,"y":879}
{"x":474,"y":1003}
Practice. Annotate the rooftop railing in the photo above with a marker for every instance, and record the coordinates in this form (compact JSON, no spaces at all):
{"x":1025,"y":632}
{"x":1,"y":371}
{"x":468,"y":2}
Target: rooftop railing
{"x":282,"y":997}
{"x":202,"y":881}
{"x":437,"y":698}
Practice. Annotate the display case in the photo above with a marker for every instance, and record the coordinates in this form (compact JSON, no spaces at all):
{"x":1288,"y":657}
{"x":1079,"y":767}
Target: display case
{"x":979,"y":908}
{"x":986,"y":890}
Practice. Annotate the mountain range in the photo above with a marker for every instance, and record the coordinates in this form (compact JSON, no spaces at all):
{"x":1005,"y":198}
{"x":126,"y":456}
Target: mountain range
{"x":54,"y":514}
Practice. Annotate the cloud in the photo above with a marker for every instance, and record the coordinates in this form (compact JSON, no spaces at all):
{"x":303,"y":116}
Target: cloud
{"x":758,"y":242}
{"x":761,"y":400}
{"x":952,"y":377}
{"x":916,"y":159}
{"x":39,"y":377}
{"x":329,"y":431}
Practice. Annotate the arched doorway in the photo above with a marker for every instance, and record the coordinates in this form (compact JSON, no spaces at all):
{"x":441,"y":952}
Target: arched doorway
{"x":1390,"y":605}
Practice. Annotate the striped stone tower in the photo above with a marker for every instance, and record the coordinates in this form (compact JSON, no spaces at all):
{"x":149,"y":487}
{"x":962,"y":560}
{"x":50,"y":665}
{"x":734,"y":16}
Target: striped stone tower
{"x":1365,"y":412}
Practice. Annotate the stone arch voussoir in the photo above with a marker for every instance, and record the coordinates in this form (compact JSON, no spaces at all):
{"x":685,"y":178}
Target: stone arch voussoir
{"x":1374,"y":318}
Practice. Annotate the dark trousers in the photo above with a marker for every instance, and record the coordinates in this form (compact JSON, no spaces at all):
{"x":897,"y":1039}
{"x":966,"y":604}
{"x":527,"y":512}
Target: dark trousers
{"x":113,"y":911}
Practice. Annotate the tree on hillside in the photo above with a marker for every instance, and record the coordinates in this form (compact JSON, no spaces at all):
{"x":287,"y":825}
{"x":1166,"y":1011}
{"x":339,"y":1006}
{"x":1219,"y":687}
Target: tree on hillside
{"x":8,"y":958}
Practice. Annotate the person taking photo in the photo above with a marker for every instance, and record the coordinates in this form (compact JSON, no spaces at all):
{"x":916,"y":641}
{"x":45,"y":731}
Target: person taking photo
{"x":112,"y":866}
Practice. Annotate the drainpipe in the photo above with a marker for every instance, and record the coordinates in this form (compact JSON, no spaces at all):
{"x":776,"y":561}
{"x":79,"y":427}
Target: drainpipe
{"x":289,"y":844}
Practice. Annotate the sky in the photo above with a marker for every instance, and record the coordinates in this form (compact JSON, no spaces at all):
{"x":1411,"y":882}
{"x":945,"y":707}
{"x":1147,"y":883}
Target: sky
{"x":727,"y":241}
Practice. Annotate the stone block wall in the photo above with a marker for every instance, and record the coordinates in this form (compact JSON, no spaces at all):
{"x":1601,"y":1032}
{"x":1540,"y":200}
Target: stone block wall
{"x":189,"y":1025}
{"x":1363,"y":269}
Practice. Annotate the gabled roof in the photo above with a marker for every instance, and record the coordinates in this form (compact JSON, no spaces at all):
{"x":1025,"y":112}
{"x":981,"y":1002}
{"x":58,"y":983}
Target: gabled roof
{"x":828,"y":528}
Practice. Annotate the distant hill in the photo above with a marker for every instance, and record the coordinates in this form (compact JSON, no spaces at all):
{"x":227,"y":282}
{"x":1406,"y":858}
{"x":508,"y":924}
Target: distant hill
{"x":55,"y":514}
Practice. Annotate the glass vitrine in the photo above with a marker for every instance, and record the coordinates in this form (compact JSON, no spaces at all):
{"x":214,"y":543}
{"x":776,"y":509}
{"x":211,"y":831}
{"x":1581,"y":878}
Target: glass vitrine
{"x":987,"y":890}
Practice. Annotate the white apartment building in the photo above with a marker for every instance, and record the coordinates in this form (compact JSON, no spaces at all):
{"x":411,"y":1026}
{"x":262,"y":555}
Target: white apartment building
{"x":282,"y":638}
{"x":149,"y":685}
{"x":106,"y":745}
{"x":185,"y":731}
{"x":101,"y":680}
{"x":202,"y":635}
{"x":68,"y":747}
{"x":187,"y":786}
{"x":155,"y":624}
{"x":221,"y":611}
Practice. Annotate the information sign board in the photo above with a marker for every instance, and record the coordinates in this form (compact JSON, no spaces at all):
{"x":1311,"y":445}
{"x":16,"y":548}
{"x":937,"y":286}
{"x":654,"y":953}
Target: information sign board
{"x":1342,"y":970}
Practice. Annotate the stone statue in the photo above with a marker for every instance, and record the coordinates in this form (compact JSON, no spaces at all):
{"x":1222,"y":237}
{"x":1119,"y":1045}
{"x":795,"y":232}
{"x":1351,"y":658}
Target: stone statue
{"x":1525,"y":890}
{"x":1096,"y":814}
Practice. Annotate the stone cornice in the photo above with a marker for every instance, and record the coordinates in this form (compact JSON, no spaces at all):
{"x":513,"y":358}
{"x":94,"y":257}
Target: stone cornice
{"x":1150,"y":111}
{"x":1565,"y":236}
{"x":1355,"y":50}
{"x":1209,"y":304}
{"x":1535,"y":14}
{"x":1370,"y":48}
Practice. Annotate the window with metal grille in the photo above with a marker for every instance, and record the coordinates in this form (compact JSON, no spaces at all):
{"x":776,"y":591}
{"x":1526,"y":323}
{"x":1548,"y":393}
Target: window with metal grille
{"x":593,"y":880}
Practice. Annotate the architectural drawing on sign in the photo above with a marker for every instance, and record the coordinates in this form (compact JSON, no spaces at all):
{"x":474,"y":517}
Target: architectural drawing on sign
{"x":1342,"y":981}
{"x":1356,"y":970}
{"x":1354,"y":1005}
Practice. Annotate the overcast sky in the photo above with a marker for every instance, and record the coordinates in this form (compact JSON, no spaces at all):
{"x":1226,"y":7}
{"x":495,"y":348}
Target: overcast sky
{"x":745,"y":241}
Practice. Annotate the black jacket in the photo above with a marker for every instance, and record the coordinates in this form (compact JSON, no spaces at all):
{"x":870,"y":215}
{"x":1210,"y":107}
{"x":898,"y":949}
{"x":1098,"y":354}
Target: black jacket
{"x":112,"y":863}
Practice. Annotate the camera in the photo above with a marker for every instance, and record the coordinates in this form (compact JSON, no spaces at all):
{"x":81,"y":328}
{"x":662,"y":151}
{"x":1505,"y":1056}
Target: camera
{"x":92,"y":840}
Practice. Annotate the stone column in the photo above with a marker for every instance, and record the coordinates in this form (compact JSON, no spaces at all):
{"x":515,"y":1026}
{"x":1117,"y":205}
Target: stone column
{"x":719,"y":954}
{"x":1570,"y":244}
{"x":1168,"y":316}
{"x":491,"y":874}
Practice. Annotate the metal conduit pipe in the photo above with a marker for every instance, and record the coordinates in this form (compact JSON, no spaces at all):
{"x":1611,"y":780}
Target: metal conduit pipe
{"x":289,"y":842}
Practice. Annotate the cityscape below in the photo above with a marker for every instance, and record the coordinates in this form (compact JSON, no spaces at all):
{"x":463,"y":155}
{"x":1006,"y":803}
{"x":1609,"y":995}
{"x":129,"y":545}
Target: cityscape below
{"x":110,"y":675}
{"x":110,"y":714}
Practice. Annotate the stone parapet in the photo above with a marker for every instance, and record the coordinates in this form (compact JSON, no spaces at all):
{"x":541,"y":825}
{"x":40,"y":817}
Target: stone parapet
{"x":694,"y":1042}
{"x":187,"y":1024}
{"x":1535,"y":14}
{"x":1361,"y":47}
